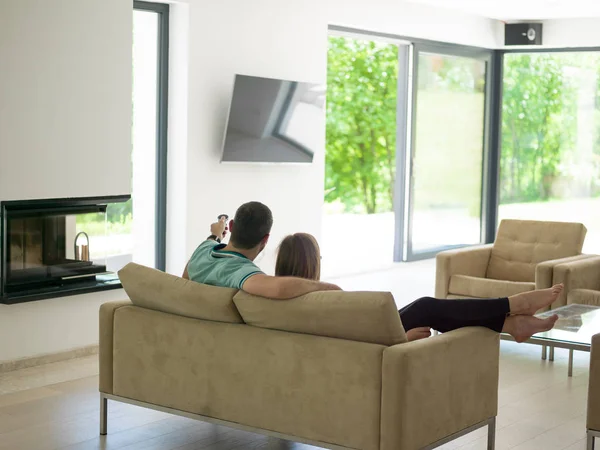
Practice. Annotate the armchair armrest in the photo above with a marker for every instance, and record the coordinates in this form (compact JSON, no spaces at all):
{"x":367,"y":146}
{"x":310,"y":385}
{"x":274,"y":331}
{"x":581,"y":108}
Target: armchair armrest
{"x":577,"y":274}
{"x":593,"y":416}
{"x":107,"y":313}
{"x":472,"y":261}
{"x":438,"y":386}
{"x":544,"y":271}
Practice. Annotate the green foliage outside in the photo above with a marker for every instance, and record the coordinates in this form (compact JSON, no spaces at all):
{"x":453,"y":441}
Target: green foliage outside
{"x":119,"y":220}
{"x":545,"y":152}
{"x":448,"y":152}
{"x":361,"y":124}
{"x":550,"y":128}
{"x":361,"y":128}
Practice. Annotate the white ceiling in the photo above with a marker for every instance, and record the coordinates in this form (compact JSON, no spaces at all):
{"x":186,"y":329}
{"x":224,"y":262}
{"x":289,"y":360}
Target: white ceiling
{"x":521,"y":9}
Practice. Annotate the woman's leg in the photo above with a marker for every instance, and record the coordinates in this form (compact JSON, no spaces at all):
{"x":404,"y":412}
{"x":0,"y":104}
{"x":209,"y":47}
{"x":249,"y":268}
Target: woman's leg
{"x":495,"y":314}
{"x":447,"y":315}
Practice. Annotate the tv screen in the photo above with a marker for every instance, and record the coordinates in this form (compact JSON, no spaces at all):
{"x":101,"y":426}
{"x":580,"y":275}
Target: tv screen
{"x":276,"y":121}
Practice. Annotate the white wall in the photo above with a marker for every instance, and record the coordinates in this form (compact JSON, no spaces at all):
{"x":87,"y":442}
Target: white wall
{"x":280,"y":39}
{"x":51,"y":326}
{"x":65,"y":131}
{"x":65,"y":98}
{"x":572,"y":33}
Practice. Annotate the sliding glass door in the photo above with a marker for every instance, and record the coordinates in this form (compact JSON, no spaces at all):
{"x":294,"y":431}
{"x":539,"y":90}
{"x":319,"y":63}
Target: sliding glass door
{"x":447,"y":150}
{"x":408,"y":141}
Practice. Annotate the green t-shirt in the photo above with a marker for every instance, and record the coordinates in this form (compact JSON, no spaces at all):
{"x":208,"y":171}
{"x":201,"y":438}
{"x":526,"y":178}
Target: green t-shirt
{"x":211,"y":265}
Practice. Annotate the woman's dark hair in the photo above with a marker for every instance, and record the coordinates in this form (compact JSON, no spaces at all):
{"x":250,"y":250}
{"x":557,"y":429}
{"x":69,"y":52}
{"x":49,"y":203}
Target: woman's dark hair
{"x":299,"y":256}
{"x":252,"y":222}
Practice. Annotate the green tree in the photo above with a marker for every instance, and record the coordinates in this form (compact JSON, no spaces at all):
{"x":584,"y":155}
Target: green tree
{"x":538,"y":126}
{"x":361,"y":124}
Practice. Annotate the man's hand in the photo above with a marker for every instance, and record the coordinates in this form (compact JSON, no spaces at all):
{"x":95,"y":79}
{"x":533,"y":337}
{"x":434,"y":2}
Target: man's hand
{"x":418,"y":333}
{"x":219,"y":228}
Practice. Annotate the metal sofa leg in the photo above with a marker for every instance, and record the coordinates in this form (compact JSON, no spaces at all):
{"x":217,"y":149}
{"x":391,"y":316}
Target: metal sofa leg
{"x":544,"y":352}
{"x":590,"y":441}
{"x":103,"y":414}
{"x":492,"y":434}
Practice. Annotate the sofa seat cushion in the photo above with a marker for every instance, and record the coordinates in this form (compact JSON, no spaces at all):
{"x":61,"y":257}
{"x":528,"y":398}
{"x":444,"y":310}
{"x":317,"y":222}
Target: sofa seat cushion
{"x":357,"y":316}
{"x":153,"y":289}
{"x":584,"y":297}
{"x":486,"y":288}
{"x":521,"y":244}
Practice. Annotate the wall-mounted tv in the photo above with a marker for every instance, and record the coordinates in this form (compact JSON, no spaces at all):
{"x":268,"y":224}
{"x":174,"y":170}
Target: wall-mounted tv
{"x":274,"y":121}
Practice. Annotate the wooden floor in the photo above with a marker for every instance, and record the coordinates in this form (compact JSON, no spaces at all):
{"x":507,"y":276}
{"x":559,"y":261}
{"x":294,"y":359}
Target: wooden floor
{"x":540,"y":408}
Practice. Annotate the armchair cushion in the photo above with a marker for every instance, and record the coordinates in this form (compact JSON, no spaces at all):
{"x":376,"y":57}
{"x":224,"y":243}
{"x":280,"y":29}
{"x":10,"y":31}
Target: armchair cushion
{"x":486,"y":288}
{"x":153,"y":289}
{"x":521,"y":244}
{"x":357,"y":316}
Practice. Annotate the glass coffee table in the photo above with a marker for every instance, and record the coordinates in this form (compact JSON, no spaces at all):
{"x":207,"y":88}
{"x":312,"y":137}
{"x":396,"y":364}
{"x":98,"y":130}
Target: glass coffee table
{"x":574,"y":329}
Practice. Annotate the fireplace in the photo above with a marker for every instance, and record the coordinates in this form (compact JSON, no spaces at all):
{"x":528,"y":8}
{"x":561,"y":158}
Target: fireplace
{"x":53,"y":248}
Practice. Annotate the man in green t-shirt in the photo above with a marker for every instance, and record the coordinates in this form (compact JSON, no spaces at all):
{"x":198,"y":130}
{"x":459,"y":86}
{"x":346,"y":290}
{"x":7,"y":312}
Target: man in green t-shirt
{"x":231,"y":265}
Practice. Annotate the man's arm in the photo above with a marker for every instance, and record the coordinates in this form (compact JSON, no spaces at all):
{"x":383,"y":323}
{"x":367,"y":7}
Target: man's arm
{"x":283,"y":288}
{"x":217,"y":229}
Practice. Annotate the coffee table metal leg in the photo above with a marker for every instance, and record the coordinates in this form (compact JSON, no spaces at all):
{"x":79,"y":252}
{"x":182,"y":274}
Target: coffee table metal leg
{"x":544,"y":352}
{"x":551,"y":353}
{"x":570,"y":363}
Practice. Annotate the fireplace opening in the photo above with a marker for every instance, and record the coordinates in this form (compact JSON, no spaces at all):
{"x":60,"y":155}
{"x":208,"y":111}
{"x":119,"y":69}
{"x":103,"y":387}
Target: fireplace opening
{"x":54,"y":248}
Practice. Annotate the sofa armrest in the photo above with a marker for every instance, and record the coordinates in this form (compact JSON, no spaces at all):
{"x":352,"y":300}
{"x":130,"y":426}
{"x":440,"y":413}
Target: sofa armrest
{"x":593,"y":415}
{"x":472,"y":261}
{"x":107,"y":314}
{"x":438,"y":386}
{"x":577,"y":274}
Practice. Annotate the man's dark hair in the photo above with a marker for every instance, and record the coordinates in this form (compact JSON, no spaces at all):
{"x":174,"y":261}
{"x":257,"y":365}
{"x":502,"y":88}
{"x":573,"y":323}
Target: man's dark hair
{"x":252,"y":222}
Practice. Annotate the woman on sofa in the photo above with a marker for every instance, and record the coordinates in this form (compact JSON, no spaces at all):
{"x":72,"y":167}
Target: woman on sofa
{"x":299,"y":256}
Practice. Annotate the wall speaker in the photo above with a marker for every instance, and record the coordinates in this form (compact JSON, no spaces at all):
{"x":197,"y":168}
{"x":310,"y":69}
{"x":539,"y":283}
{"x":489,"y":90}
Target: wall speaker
{"x":523,"y":34}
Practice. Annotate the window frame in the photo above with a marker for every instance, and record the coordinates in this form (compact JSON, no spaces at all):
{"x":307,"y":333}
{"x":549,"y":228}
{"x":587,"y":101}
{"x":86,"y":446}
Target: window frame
{"x":162,"y":10}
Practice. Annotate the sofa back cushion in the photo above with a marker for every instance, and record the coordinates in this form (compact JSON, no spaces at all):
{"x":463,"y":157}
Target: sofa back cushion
{"x":153,"y":289}
{"x":521,"y":244}
{"x":357,"y":316}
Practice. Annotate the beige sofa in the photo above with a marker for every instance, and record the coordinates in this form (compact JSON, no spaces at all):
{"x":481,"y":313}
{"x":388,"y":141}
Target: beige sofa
{"x":521,"y":259}
{"x":332,"y":369}
{"x":593,"y":414}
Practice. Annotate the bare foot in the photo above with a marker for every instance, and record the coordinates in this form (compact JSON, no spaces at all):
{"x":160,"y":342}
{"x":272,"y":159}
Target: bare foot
{"x":523,"y":327}
{"x":529,"y":303}
{"x":414,"y":334}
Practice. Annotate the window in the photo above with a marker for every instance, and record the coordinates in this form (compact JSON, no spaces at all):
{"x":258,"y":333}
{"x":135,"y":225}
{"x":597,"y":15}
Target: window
{"x":406,"y":150}
{"x":448,"y":152}
{"x":360,"y":159}
{"x":145,"y":214}
{"x":550,"y":156}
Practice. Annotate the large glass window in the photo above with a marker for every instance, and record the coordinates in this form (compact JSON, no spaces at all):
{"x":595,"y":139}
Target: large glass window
{"x":550,"y":157}
{"x":360,"y":160}
{"x":447,"y":155}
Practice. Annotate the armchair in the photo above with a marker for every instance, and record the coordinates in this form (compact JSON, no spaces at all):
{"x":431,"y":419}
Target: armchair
{"x":522,"y":258}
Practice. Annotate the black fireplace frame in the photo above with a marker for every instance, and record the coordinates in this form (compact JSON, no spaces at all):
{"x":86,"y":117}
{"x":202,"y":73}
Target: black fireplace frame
{"x":54,"y":204}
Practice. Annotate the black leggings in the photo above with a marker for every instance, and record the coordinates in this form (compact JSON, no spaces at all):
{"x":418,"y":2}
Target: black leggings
{"x":448,"y":315}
